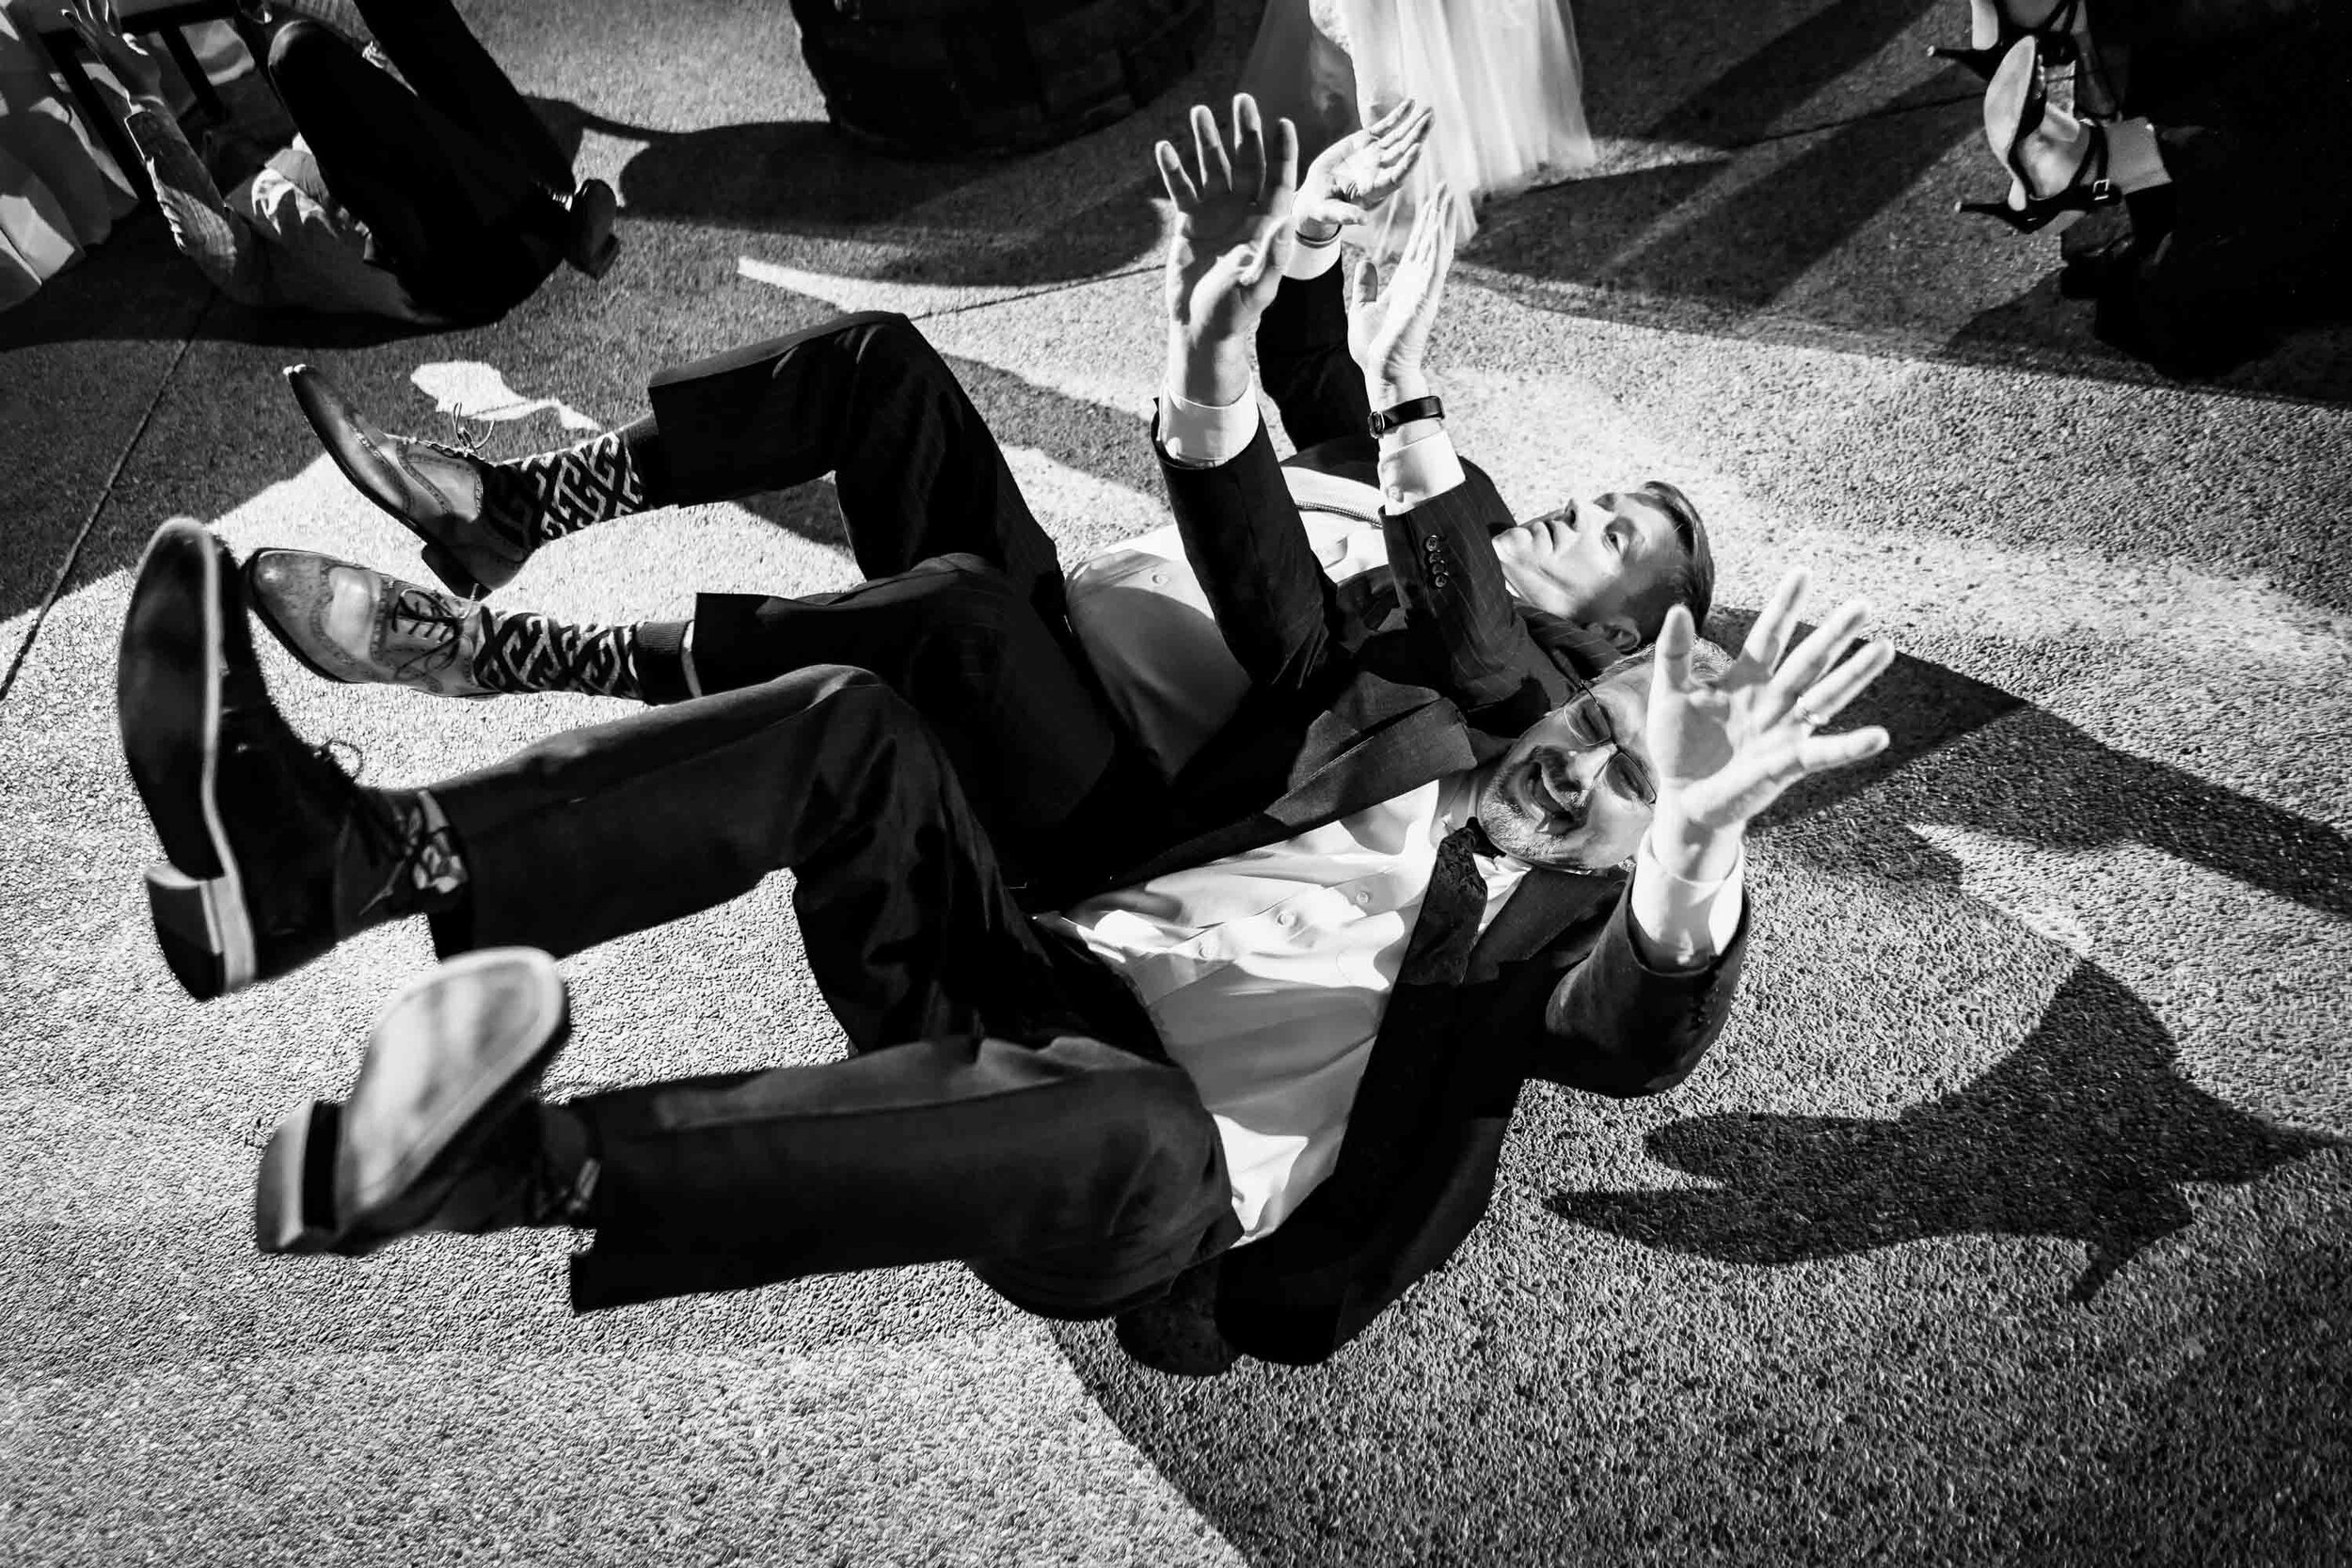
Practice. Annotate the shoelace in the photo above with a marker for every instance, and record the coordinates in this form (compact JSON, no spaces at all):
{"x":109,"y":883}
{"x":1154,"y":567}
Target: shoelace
{"x":439,"y":626}
{"x":412,"y":854}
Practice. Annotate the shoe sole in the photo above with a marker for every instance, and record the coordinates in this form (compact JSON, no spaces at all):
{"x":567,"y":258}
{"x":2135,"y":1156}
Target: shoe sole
{"x":169,"y":675}
{"x":304,"y":1202}
{"x":293,"y":1197}
{"x":438,"y":559}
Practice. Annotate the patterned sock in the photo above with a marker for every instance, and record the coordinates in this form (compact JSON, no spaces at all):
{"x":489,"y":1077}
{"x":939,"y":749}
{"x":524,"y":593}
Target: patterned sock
{"x":551,"y":494}
{"x":414,"y":867}
{"x":523,"y":652}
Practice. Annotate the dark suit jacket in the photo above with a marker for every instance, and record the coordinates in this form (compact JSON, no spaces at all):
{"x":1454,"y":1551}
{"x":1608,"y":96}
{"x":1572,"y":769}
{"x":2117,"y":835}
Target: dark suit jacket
{"x":1555,"y":988}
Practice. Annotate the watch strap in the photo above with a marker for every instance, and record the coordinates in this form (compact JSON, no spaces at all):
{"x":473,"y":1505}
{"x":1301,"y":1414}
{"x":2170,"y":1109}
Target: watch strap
{"x":1406,"y":412}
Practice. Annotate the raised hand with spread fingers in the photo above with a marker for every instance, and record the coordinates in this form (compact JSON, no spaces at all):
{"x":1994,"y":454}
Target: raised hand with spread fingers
{"x":1353,"y":177}
{"x":1725,"y":750}
{"x":1388,"y":320}
{"x":1231,"y":239}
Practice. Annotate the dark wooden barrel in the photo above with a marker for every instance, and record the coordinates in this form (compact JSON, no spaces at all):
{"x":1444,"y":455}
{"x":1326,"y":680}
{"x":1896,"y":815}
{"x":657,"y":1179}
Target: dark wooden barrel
{"x":943,"y":77}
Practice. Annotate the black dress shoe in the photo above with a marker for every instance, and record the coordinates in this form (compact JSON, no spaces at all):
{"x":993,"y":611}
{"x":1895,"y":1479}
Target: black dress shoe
{"x":591,"y":246}
{"x":433,"y":490}
{"x":273,"y":852}
{"x":438,"y":1133}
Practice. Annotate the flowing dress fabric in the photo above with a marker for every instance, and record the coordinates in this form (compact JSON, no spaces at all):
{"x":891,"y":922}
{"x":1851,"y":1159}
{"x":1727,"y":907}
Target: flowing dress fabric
{"x":58,"y":192}
{"x":1503,"y":76}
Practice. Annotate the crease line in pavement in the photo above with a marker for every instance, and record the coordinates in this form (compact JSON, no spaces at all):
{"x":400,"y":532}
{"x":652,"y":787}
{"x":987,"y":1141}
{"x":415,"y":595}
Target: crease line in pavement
{"x":106,"y":494}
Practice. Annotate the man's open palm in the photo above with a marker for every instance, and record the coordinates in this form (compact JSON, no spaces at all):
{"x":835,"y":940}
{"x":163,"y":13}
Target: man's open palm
{"x":1362,"y":169}
{"x":1726,"y":752}
{"x":1232,"y":222}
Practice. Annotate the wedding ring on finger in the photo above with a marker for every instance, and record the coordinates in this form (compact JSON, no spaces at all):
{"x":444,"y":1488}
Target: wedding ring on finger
{"x":1806,"y":716}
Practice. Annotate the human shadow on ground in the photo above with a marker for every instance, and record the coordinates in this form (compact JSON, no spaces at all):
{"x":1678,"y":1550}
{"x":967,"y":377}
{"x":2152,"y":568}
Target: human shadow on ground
{"x":2088,"y":1128}
{"x":2085,"y":1133}
{"x":803,"y":178}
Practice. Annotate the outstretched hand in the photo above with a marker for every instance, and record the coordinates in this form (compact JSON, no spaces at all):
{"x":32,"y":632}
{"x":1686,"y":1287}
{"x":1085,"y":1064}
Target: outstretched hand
{"x":1359,"y":171}
{"x":1232,"y":223}
{"x":1388,"y":323}
{"x":96,"y":24}
{"x":1726,"y":752}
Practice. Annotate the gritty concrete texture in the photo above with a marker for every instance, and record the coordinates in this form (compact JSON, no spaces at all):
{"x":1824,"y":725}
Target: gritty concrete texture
{"x":2006,"y":1224}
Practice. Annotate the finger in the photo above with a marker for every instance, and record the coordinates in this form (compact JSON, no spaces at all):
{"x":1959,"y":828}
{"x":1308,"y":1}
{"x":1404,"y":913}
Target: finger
{"x":1820,"y":753}
{"x":1769,"y":637}
{"x":1822,"y":647}
{"x":1210,"y":172}
{"x":1285,"y":161}
{"x":1181,"y":190}
{"x":1827,"y":697}
{"x":1249,"y":148}
{"x":1390,"y":118}
{"x":1406,"y":146}
{"x":1363,"y":284}
{"x":1670,"y":672}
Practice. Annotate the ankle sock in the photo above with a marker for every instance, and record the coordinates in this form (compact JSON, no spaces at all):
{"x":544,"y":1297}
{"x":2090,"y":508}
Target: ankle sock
{"x":525,"y":652}
{"x":421,"y":869}
{"x":549,"y":493}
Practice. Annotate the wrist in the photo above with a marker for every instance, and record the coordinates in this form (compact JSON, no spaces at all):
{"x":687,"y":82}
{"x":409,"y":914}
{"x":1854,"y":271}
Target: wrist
{"x":1212,"y":370}
{"x":1390,"y":388}
{"x":1692,"y":851}
{"x":1317,"y":232}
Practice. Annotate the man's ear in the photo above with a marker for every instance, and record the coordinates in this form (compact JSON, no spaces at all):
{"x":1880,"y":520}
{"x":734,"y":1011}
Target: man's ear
{"x":1622,"y":634}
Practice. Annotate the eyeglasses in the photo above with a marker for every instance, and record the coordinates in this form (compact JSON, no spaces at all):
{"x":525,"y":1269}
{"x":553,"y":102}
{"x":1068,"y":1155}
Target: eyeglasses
{"x":1589,"y":727}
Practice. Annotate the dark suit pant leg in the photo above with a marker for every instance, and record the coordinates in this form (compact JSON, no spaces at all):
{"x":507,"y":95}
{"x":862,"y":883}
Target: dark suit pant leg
{"x":1042,"y":759}
{"x":1075,"y":1176}
{"x":868,"y":400}
{"x":466,"y":227}
{"x":1007,"y":1105}
{"x":909,"y":929}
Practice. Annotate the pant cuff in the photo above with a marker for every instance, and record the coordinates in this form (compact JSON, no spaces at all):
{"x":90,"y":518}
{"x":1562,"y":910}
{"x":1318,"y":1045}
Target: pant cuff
{"x":662,"y":662}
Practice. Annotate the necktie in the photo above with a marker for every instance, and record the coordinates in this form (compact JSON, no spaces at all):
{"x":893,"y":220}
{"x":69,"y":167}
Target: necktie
{"x":1408,"y":1058}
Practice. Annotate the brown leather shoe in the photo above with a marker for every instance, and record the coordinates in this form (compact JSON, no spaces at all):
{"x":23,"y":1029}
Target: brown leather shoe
{"x":355,"y":625}
{"x":429,"y":1139}
{"x":433,"y":490}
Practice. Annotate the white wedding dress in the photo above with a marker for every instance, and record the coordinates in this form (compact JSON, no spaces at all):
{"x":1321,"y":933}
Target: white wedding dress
{"x":1503,"y":76}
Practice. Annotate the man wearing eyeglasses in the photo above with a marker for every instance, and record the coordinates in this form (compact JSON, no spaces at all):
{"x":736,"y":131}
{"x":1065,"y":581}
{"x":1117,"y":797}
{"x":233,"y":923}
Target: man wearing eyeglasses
{"x":1262,"y":1066}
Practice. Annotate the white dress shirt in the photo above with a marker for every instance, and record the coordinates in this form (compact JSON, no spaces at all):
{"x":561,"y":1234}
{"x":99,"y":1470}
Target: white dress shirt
{"x":1266,"y":972}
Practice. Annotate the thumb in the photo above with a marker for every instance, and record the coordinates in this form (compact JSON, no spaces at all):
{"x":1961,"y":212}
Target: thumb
{"x":1363,"y":287}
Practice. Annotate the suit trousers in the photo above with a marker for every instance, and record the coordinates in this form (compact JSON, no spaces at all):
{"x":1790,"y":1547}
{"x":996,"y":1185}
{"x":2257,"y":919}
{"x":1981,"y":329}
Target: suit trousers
{"x":457,"y":179}
{"x":963,"y":613}
{"x":1007,"y":1103}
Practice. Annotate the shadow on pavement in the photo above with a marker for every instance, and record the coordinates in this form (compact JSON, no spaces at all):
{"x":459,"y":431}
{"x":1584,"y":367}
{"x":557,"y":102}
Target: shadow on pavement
{"x":803,"y":178}
{"x":2085,"y":1133}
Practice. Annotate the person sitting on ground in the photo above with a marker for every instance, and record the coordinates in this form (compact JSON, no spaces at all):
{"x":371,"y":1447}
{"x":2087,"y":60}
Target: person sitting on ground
{"x":425,"y":191}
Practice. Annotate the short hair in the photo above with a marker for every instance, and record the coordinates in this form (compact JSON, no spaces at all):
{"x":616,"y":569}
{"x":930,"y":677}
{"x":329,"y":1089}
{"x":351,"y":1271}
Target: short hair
{"x":1692,"y":581}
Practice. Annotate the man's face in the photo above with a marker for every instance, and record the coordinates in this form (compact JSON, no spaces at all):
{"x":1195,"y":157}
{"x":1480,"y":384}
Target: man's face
{"x":1592,"y":561}
{"x":1577,"y":789}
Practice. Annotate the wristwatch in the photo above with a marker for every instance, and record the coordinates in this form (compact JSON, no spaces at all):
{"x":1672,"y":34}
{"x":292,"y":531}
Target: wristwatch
{"x":1406,"y":412}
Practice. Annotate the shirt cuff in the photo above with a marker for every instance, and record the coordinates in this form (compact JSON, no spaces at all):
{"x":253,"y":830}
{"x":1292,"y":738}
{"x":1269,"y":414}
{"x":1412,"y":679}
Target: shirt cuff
{"x":1203,"y":435}
{"x":1312,"y":260}
{"x":1690,"y":922}
{"x":1413,"y":471}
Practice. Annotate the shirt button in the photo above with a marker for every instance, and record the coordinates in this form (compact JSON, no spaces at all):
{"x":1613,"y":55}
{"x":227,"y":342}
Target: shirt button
{"x":1158,"y":579}
{"x":1364,"y":898}
{"x":1286,"y":918}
